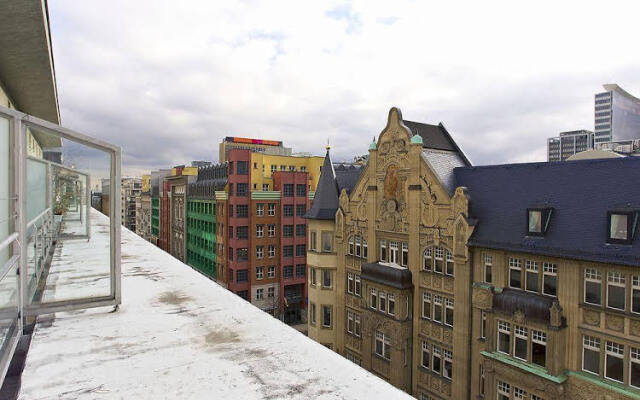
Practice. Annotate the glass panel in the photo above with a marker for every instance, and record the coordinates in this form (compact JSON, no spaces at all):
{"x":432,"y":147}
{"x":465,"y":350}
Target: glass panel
{"x":4,"y":186}
{"x":618,"y":227}
{"x":535,"y":221}
{"x":8,"y":306}
{"x":36,"y":188}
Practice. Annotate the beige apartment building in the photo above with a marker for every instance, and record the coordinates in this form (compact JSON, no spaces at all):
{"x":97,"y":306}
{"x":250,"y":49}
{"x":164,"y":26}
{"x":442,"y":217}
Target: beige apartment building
{"x":459,"y":282}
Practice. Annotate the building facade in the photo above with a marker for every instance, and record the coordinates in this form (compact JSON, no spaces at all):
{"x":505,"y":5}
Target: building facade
{"x":616,"y":115}
{"x":569,"y":143}
{"x":131,"y":189}
{"x":180,"y":177}
{"x":272,"y":147}
{"x":143,"y":209}
{"x":460,"y":282}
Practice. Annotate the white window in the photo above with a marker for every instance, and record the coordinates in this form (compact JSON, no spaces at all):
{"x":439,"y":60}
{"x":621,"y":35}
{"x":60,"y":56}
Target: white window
{"x":393,"y":252}
{"x":519,"y":394}
{"x":259,"y":252}
{"x":504,"y":337}
{"x":539,"y":348}
{"x":383,"y":250}
{"x":326,"y":278}
{"x":259,"y":272}
{"x":271,"y":271}
{"x":272,"y":230}
{"x":437,"y":309}
{"x":592,"y":286}
{"x":272,"y":251}
{"x":448,"y":314}
{"x":503,"y":391}
{"x":550,"y":279}
{"x":356,"y":330}
{"x":259,"y":294}
{"x":312,"y":313}
{"x":326,"y":316}
{"x":532,"y":276}
{"x":351,"y":249}
{"x":350,"y":282}
{"x":634,"y":369}
{"x":447,"y":371}
{"x":358,"y":246}
{"x":488,"y":268}
{"x":383,"y":301}
{"x":259,"y":231}
{"x":265,"y":186}
{"x":635,"y":293}
{"x":616,"y":283}
{"x":436,"y":365}
{"x":449,"y":269}
{"x":614,"y":362}
{"x":591,"y":354}
{"x":426,"y":355}
{"x":374,"y":298}
{"x":520,"y":343}
{"x":271,"y":209}
{"x":427,"y":259}
{"x":365,"y":249}
{"x":426,"y":305}
{"x":383,"y":345}
{"x":260,"y":209}
{"x":350,"y":317}
{"x":515,"y":273}
{"x":405,"y":254}
{"x":438,"y":255}
{"x":271,"y":291}
{"x":392,"y":304}
{"x":358,"y":286}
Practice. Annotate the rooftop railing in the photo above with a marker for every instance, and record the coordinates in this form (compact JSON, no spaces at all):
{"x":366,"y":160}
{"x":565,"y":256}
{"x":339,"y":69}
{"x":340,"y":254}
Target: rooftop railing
{"x":42,"y":205}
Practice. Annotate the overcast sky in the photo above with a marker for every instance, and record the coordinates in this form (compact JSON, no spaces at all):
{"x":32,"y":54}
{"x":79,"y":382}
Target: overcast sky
{"x":167,"y":80}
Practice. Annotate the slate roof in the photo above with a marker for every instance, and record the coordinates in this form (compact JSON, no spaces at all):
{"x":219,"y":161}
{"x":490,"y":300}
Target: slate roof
{"x":443,"y":163}
{"x":433,"y":136}
{"x":534,"y":306}
{"x":393,"y":276}
{"x":347,"y":176}
{"x":580,"y":193}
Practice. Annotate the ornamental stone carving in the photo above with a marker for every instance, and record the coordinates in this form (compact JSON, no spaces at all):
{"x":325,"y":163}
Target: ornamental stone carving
{"x":436,"y":281}
{"x":448,"y":336}
{"x":634,"y":327}
{"x":555,"y":314}
{"x":448,"y":284}
{"x":591,"y":317}
{"x":614,"y":322}
{"x":482,"y":298}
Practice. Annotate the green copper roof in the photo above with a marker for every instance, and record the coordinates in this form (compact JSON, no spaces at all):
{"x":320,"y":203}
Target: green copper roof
{"x":607,"y":384}
{"x":373,"y":145}
{"x":531,"y":368}
{"x":416,"y":139}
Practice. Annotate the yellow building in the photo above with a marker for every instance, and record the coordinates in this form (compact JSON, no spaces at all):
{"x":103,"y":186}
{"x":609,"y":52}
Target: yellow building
{"x":265,"y":165}
{"x":146,"y":183}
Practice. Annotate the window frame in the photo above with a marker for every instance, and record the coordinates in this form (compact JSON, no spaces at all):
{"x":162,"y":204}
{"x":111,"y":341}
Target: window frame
{"x":632,"y":222}
{"x":515,"y":264}
{"x":594,"y":344}
{"x":609,"y":351}
{"x":545,"y":219}
{"x":592,"y":275}
{"x":488,"y":266}
{"x":549,"y":270}
{"x":616,"y":275}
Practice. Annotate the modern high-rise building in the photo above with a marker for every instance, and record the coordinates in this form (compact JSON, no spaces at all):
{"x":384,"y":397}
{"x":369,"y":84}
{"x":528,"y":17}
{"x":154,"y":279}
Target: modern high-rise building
{"x":568,"y":143}
{"x":617,"y":115}
{"x":271,"y":147}
{"x":131,"y":189}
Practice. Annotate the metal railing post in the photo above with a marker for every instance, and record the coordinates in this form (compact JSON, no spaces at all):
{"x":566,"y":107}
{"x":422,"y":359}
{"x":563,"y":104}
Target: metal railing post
{"x":20,"y":165}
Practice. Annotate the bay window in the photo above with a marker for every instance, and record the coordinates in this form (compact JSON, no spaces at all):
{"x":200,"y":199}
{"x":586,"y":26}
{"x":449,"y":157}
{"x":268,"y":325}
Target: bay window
{"x":393,"y":252}
{"x":383,"y":250}
{"x":392,"y":304}
{"x":447,"y":371}
{"x":374,"y":298}
{"x":405,"y":254}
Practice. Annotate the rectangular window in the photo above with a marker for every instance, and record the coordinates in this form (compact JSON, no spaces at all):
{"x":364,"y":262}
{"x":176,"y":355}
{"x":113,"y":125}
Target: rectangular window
{"x":592,"y":286}
{"x":437,"y":309}
{"x":272,"y":251}
{"x":312,"y":240}
{"x":520,"y":343}
{"x":271,"y":230}
{"x":503,"y":390}
{"x":383,"y":345}
{"x":621,"y":227}
{"x":427,"y":259}
{"x":374,"y":298}
{"x":504,"y":337}
{"x":591,"y":354}
{"x":519,"y":394}
{"x":436,"y":365}
{"x":287,"y":190}
{"x":438,"y":259}
{"x":550,"y":279}
{"x":259,"y":294}
{"x":515,"y":273}
{"x":483,"y":327}
{"x":426,"y":355}
{"x":259,"y":272}
{"x":242,"y":232}
{"x":301,"y":190}
{"x":259,"y":252}
{"x":231,"y":210}
{"x":301,"y":210}
{"x":426,"y":305}
{"x":358,"y":242}
{"x":393,"y":252}
{"x":274,"y":168}
{"x":301,"y":230}
{"x":350,"y":282}
{"x":326,"y":278}
{"x":447,"y":371}
{"x":614,"y":363}
{"x":383,"y":301}
{"x":313,"y":276}
{"x":242,"y":167}
{"x":352,"y":246}
{"x":287,"y":251}
{"x":634,"y":370}
{"x":287,"y":230}
{"x":616,"y":285}
{"x":539,"y":348}
{"x":242,"y":254}
{"x":265,"y":186}
{"x":300,"y":270}
{"x":287,"y":271}
{"x":271,"y":209}
{"x":448,"y":315}
{"x":350,"y":318}
{"x":287,"y":210}
{"x":449,"y":267}
{"x":531,"y":276}
{"x":358,"y":286}
{"x":356,"y":329}
{"x":405,"y":254}
{"x":271,"y":292}
{"x":326,"y":316}
{"x":488,"y":268}
{"x":301,"y":250}
{"x":635,"y":293}
{"x":383,"y":250}
{"x":242,"y":275}
{"x":260,"y":209}
{"x":392,"y":304}
{"x":242,"y":211}
{"x":259,"y":231}
{"x":242,"y":189}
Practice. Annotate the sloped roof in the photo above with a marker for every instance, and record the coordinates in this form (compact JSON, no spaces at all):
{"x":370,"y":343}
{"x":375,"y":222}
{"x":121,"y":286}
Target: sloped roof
{"x":442,"y":163}
{"x":433,"y":136}
{"x":347,"y":176}
{"x":580,"y":193}
{"x":325,"y":202}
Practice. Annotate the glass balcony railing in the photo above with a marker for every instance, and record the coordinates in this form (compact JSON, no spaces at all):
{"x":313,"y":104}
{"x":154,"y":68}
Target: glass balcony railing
{"x":43,"y":205}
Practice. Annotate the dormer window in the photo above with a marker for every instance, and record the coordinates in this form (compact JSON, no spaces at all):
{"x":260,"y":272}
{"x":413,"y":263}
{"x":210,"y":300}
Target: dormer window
{"x":621,"y":226}
{"x":538,"y":221}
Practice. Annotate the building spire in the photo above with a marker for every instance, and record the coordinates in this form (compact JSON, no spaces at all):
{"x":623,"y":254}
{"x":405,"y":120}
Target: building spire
{"x":327,"y":146}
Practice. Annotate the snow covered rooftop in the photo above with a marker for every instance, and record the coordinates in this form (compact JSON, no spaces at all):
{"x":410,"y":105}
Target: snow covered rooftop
{"x":176,"y":335}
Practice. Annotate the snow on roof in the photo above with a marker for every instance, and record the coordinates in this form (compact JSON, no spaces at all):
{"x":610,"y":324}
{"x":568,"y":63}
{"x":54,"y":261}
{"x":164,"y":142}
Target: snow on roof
{"x":177,"y":334}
